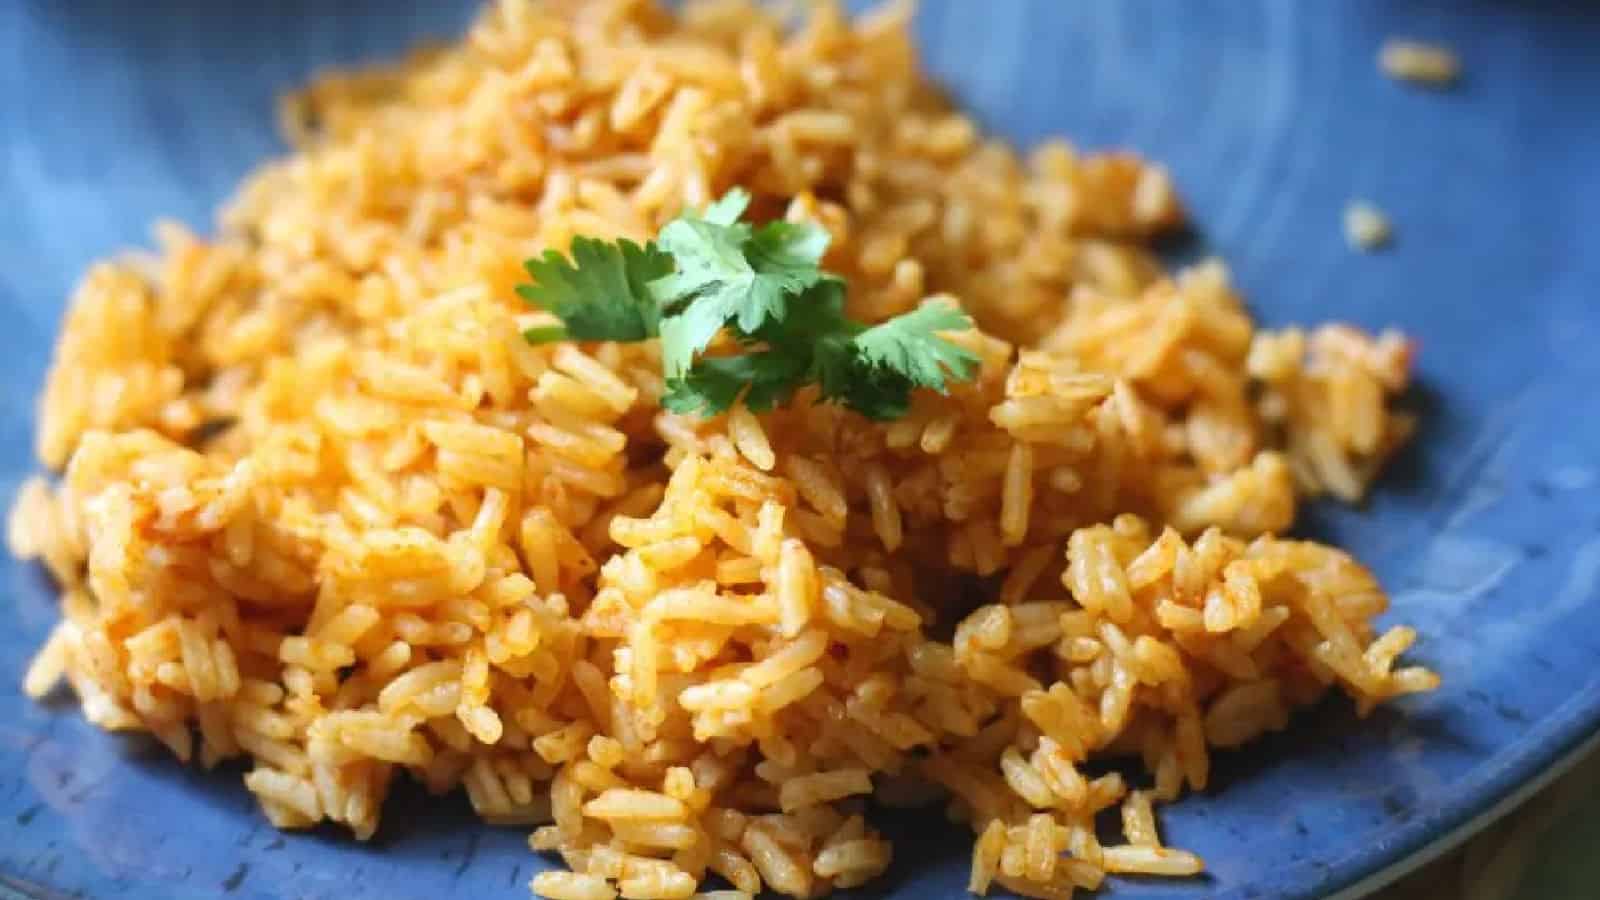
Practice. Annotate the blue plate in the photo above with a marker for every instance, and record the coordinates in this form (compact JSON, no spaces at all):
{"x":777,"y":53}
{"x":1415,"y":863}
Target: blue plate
{"x":1271,"y":115}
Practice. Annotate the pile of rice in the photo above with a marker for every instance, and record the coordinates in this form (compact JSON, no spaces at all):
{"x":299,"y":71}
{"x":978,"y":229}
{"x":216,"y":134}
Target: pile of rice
{"x":323,"y":508}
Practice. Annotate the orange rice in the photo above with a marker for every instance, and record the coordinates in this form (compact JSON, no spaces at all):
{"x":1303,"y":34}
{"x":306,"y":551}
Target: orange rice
{"x":321,"y":507}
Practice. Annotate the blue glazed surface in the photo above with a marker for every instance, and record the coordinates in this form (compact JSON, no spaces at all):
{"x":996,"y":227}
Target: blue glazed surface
{"x":1270,"y":114}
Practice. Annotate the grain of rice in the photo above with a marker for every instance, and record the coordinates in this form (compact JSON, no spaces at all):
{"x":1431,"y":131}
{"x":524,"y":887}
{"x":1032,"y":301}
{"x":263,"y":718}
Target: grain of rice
{"x":823,"y":787}
{"x":1419,"y":63}
{"x":571,"y":886}
{"x":886,"y":519}
{"x":779,"y":868}
{"x":622,"y":803}
{"x":1141,"y":860}
{"x":1138,"y":820}
{"x":749,"y":437}
{"x":655,"y":884}
{"x":1365,"y":226}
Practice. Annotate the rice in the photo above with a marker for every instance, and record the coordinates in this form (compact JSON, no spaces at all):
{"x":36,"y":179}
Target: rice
{"x":1365,"y":226}
{"x":321,"y":507}
{"x":1419,"y":63}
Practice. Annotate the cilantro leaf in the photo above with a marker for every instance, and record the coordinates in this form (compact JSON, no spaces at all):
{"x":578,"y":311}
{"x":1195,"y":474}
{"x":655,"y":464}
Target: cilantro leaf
{"x":547,"y":334}
{"x":787,"y":254}
{"x":764,"y":285}
{"x":812,"y":315}
{"x":879,"y":394}
{"x":729,"y":209}
{"x":707,"y":254}
{"x":817,"y":321}
{"x":801,"y":241}
{"x":601,"y":294}
{"x":766,"y":379}
{"x":834,"y":365}
{"x":909,"y":345}
{"x":729,"y":274}
{"x":686,"y":334}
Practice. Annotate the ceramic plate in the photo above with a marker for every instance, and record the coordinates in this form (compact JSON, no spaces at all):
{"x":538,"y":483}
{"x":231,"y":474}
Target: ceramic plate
{"x":1271,"y":115}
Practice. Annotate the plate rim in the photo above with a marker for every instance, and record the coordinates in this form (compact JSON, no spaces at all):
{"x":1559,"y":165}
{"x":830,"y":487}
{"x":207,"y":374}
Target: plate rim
{"x":1535,"y":761}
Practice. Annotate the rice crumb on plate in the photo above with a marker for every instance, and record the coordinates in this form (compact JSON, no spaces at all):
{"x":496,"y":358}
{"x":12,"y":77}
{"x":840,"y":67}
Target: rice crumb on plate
{"x":1431,"y":65}
{"x":1365,"y":226}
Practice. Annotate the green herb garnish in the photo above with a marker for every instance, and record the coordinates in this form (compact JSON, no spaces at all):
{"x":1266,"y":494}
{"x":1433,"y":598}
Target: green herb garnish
{"x":709,"y":272}
{"x":601,"y":295}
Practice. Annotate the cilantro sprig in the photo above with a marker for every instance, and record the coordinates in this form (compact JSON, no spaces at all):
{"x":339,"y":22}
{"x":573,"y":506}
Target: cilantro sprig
{"x":712,"y":272}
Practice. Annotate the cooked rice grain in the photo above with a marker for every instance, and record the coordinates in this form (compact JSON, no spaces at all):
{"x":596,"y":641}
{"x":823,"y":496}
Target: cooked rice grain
{"x":1365,"y":226}
{"x":1419,"y":63}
